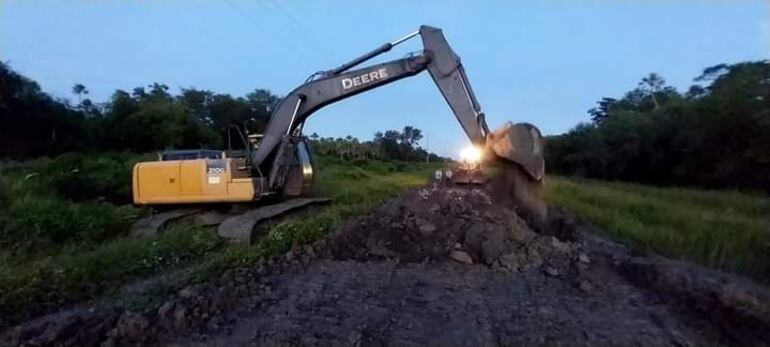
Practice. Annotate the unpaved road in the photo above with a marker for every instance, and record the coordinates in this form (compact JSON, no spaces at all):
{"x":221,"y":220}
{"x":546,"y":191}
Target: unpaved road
{"x":443,"y":266}
{"x":447,"y":304}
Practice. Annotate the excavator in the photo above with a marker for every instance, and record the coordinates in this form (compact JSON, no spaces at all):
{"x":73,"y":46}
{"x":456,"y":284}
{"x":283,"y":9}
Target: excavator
{"x":279,"y":161}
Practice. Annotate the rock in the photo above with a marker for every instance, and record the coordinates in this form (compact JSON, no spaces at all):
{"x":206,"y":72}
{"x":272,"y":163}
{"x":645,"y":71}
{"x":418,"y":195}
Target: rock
{"x":534,"y":259}
{"x":583,"y":258}
{"x":475,"y":237}
{"x":559,"y":246}
{"x":732,"y":295}
{"x":586,"y":286}
{"x":110,"y":342}
{"x":426,"y":228}
{"x":510,"y":261}
{"x":132,"y":326}
{"x":261,"y":270}
{"x":550,"y":271}
{"x":518,"y":235}
{"x":460,"y":257}
{"x":180,"y":318}
{"x":310,"y":252}
{"x":164,"y":309}
{"x":187,"y":292}
{"x":378,"y":247}
{"x":493,"y":246}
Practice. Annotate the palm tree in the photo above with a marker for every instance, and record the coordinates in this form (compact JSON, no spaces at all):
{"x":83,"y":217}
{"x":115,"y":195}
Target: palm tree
{"x":79,"y":90}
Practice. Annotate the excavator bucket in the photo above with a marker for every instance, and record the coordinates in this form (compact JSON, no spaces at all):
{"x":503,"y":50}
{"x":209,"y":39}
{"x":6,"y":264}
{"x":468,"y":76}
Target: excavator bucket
{"x":520,"y":148}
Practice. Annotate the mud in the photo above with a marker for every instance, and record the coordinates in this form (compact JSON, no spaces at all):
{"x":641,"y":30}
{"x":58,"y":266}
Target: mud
{"x":441,"y":266}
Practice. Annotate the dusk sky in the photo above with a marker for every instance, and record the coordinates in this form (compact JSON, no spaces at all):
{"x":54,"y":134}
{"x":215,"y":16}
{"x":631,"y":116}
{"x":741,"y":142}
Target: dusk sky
{"x":543,"y":62}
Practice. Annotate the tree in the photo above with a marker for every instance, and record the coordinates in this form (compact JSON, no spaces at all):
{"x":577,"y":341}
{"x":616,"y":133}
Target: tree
{"x":389,"y":146}
{"x":410,"y":135}
{"x":32,"y":123}
{"x":199,"y":103}
{"x":79,"y":90}
{"x":718,"y":135}
{"x":262,"y":103}
{"x":652,"y":84}
{"x":603,"y":110}
{"x":150,"y":118}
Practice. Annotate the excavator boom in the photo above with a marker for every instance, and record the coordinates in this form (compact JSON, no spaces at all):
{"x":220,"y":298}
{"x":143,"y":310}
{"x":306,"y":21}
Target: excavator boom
{"x":519,"y":144}
{"x":438,"y":58}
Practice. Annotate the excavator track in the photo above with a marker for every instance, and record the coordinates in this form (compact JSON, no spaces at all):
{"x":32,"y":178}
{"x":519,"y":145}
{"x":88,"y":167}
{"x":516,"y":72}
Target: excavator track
{"x":240,"y":228}
{"x":233,"y":227}
{"x":150,"y":226}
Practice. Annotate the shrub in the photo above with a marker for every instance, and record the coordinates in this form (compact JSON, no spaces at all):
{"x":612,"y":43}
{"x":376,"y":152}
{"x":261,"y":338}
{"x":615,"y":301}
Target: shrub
{"x":352,"y":173}
{"x":33,"y":221}
{"x":106,"y":177}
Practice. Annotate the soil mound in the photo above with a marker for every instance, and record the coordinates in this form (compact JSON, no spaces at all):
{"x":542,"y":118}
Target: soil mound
{"x":437,"y":223}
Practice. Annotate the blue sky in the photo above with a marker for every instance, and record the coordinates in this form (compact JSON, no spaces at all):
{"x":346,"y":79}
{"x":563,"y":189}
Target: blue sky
{"x":544,"y":62}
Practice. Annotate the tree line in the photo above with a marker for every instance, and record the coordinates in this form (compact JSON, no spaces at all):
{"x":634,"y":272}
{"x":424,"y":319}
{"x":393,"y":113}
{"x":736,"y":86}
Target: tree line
{"x":716,"y":134}
{"x":150,"y":118}
{"x":390,"y":145}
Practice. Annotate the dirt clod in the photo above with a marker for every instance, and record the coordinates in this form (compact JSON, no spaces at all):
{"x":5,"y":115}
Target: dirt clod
{"x":551,"y":271}
{"x":586,"y":286}
{"x":461,"y":257}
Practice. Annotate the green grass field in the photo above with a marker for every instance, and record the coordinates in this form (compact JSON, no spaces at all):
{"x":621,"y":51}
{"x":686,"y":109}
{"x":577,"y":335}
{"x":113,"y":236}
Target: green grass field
{"x":64,"y":227}
{"x":719,"y":229}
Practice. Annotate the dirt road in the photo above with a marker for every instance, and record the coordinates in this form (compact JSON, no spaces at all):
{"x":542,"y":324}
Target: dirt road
{"x":445,"y":266}
{"x":446,"y":304}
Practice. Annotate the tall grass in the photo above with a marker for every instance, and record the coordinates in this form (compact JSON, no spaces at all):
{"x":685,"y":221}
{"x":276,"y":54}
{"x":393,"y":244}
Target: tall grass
{"x":723,"y":230}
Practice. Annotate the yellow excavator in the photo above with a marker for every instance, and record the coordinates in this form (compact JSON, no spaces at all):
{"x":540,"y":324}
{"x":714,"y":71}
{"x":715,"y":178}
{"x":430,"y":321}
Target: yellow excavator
{"x":279,"y":162}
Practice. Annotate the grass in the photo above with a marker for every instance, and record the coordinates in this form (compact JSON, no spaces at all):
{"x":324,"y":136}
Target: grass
{"x":719,"y":229}
{"x":45,"y":283}
{"x":63,"y":239}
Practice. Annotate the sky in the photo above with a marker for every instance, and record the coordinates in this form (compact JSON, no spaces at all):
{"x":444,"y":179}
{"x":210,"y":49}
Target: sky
{"x":543,"y":62}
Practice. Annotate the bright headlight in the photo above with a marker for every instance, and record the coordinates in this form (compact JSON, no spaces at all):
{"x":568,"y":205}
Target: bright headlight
{"x":470,"y":154}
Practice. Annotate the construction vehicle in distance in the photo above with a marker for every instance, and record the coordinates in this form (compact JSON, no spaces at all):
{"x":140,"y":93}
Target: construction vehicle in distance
{"x":279,"y":161}
{"x":468,"y":170}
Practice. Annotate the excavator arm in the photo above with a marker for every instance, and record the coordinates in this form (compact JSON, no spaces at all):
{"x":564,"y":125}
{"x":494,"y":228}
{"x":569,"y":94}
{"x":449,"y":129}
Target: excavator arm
{"x":438,"y":58}
{"x":517,"y":143}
